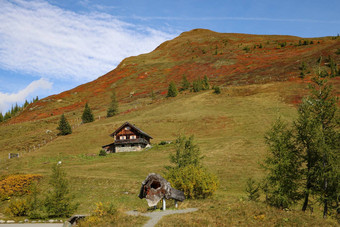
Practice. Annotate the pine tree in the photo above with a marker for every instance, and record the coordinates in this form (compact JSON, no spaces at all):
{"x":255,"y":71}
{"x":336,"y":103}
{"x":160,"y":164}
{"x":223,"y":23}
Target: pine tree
{"x":64,"y":127}
{"x":283,"y":167}
{"x":1,"y":117}
{"x":7,"y":115}
{"x":26,"y":103}
{"x":172,"y":90}
{"x":205,"y":83}
{"x":319,"y":140}
{"x":58,"y":201}
{"x":252,"y":189}
{"x":113,"y":108}
{"x":185,"y":83}
{"x":87,"y":114}
{"x":197,"y":85}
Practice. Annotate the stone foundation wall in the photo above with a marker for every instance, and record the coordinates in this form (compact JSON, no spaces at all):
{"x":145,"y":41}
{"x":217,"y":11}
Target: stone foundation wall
{"x":129,"y":148}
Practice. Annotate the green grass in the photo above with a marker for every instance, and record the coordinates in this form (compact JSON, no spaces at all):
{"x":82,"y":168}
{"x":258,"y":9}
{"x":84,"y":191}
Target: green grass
{"x":228,"y":128}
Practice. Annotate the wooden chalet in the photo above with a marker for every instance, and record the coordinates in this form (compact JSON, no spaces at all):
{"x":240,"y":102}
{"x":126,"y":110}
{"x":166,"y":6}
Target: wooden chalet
{"x":128,"y":138}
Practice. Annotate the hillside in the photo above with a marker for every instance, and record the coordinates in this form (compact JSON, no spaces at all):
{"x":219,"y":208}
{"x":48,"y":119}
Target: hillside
{"x":227,"y":59}
{"x":257,"y":87}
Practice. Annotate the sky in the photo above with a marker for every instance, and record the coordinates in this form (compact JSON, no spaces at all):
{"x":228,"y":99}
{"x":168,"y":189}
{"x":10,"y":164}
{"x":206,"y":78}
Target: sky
{"x":49,"y":46}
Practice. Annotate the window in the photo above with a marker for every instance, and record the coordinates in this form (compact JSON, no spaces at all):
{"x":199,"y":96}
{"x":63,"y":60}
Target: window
{"x":122,"y":137}
{"x":127,"y":128}
{"x":133,"y":137}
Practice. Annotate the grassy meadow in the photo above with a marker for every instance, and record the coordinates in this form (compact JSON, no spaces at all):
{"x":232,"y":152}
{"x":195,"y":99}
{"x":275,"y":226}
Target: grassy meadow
{"x":229,"y":129}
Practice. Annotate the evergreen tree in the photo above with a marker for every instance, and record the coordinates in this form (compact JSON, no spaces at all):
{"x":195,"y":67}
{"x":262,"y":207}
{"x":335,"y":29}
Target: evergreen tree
{"x":205,"y":83}
{"x":197,"y":85}
{"x":319,"y":140}
{"x":58,"y":201}
{"x":1,"y":117}
{"x":283,"y":167}
{"x":64,"y":127}
{"x":188,"y":174}
{"x":113,"y":108}
{"x":7,"y":115}
{"x":26,"y":103}
{"x":186,"y":153}
{"x":153,"y":96}
{"x":87,"y":114}
{"x":185,"y":83}
{"x":172,"y":90}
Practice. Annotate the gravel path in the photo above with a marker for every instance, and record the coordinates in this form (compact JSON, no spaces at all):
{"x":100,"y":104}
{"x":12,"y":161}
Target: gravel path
{"x":156,"y":216}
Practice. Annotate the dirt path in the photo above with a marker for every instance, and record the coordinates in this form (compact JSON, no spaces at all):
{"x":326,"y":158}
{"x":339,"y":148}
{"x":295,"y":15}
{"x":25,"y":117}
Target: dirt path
{"x":156,"y":216}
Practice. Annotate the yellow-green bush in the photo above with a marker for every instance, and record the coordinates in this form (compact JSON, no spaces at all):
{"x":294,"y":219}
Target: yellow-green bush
{"x":16,"y":185}
{"x":107,"y":214}
{"x":18,"y":207}
{"x":194,"y":181}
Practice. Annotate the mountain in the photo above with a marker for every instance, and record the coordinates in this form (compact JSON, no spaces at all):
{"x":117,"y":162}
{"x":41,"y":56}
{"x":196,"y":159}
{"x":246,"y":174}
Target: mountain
{"x":226,"y":58}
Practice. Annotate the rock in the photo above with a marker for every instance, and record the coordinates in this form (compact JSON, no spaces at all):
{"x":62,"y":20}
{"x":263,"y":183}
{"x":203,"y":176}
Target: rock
{"x":51,"y":221}
{"x":155,"y":187}
{"x":10,"y":221}
{"x":2,"y":221}
{"x":26,"y":220}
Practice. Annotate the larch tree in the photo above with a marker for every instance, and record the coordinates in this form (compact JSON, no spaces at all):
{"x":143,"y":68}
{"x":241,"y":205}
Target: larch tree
{"x":318,"y":136}
{"x":283,"y":167}
{"x":113,"y":108}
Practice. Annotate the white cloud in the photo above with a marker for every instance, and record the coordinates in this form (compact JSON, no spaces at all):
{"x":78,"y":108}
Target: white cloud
{"x":6,"y":99}
{"x":39,"y":38}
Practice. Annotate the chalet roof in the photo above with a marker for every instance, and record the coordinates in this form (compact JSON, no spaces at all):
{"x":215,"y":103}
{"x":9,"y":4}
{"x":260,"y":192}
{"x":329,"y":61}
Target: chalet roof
{"x":132,"y":126}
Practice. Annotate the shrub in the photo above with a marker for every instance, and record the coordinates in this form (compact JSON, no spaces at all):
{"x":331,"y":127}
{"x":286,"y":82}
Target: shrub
{"x":18,"y":207}
{"x":246,"y":49}
{"x":163,"y":143}
{"x":194,"y":181}
{"x":16,"y":185}
{"x":217,"y":90}
{"x":338,"y":51}
{"x":252,"y":189}
{"x":103,"y":215}
{"x":102,"y":153}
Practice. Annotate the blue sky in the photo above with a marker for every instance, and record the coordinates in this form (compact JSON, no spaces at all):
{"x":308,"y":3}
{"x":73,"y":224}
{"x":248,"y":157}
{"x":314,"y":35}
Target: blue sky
{"x":48,"y":46}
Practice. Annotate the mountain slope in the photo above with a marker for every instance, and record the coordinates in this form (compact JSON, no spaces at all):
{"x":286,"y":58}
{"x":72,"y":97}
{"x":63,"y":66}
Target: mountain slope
{"x":227,"y":59}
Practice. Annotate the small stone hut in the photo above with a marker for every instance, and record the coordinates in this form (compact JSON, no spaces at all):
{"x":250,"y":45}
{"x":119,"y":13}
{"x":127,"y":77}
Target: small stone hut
{"x":128,"y":138}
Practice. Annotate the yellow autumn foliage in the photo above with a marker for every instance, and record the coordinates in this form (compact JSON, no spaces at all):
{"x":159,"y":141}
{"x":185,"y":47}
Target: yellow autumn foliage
{"x":16,"y":184}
